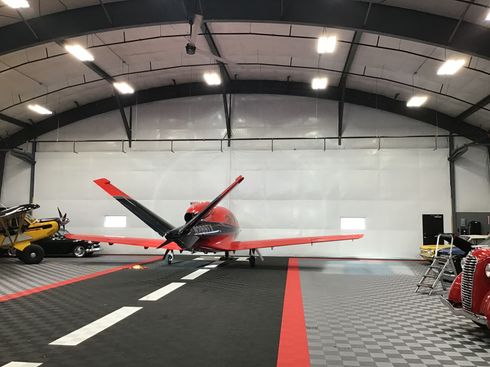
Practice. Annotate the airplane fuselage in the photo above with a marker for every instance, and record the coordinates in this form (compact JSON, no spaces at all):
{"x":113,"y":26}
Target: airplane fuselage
{"x":214,"y":233}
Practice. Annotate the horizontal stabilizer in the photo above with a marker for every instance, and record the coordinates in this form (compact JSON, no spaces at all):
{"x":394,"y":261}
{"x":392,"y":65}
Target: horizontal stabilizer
{"x":152,"y":220}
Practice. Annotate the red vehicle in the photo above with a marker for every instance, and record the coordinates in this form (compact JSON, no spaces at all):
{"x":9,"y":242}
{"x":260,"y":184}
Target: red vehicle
{"x":208,"y":228}
{"x":469,"y":294}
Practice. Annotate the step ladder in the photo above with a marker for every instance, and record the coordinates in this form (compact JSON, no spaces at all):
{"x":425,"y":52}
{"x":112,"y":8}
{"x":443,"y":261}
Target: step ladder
{"x":441,"y":268}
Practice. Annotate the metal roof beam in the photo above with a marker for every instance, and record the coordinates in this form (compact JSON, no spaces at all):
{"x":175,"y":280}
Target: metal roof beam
{"x":472,"y":39}
{"x":23,"y":156}
{"x":224,"y":74}
{"x":343,"y":81}
{"x":476,"y":107}
{"x":215,"y":51}
{"x":110,"y":79}
{"x":14,"y":121}
{"x":352,"y":96}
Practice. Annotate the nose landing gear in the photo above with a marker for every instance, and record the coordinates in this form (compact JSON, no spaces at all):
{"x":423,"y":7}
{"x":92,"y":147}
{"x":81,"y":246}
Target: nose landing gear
{"x":169,"y":254}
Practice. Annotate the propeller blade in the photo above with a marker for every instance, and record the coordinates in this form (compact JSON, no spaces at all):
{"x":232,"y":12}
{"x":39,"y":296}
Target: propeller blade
{"x":196,"y":28}
{"x":59,"y":212}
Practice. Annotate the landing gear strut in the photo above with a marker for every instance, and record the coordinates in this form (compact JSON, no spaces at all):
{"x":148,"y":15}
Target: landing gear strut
{"x":251,"y":258}
{"x":226,"y":257}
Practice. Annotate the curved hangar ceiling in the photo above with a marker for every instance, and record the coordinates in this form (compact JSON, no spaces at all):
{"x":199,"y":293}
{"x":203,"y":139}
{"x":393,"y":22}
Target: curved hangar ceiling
{"x":378,"y":54}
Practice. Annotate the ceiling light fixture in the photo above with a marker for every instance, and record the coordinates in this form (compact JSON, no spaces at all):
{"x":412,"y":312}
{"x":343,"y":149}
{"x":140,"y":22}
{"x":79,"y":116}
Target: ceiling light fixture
{"x":416,"y":101}
{"x":488,"y":16}
{"x":123,"y":87}
{"x":450,"y":67}
{"x":319,"y":83}
{"x":39,"y":109}
{"x":79,"y":52}
{"x":17,"y":4}
{"x":326,"y":44}
{"x":212,"y":78}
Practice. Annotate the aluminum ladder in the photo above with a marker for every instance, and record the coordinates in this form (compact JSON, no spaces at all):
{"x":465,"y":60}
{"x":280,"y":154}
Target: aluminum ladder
{"x":441,"y":266}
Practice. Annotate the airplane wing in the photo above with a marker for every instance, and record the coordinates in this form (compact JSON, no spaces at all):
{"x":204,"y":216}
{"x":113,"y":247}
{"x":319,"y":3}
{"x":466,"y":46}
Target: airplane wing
{"x":134,"y":241}
{"x":248,"y":245}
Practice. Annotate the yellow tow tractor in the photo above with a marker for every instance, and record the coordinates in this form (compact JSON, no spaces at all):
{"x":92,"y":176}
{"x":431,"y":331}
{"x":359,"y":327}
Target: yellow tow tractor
{"x":19,"y":232}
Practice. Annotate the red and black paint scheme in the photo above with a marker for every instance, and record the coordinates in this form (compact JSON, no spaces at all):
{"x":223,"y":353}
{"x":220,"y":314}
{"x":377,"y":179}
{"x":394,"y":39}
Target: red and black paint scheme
{"x":208,"y":228}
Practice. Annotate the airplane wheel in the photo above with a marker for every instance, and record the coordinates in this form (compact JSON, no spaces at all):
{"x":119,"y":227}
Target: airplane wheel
{"x":79,"y":251}
{"x":32,"y":254}
{"x":170,"y":259}
{"x":251,"y":261}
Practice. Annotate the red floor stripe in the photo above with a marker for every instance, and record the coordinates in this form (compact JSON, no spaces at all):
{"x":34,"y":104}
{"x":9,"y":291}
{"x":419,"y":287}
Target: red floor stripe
{"x":42,"y":288}
{"x":293,"y":342}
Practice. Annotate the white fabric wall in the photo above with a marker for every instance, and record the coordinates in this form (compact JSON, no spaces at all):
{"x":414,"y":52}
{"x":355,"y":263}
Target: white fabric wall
{"x":285,"y":193}
{"x":472,"y":172}
{"x":16,"y":178}
{"x":297,"y":190}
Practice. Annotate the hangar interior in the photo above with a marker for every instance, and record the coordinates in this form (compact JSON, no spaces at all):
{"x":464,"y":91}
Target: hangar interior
{"x":365,"y":134}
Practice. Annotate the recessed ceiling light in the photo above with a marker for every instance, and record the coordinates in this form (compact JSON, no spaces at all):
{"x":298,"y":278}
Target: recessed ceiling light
{"x":416,"y":101}
{"x":212,"y":78}
{"x":123,"y":87}
{"x":39,"y":109}
{"x":326,"y":44}
{"x":319,"y":83}
{"x":17,"y":4}
{"x":488,"y":16}
{"x":450,"y":67}
{"x":79,"y":52}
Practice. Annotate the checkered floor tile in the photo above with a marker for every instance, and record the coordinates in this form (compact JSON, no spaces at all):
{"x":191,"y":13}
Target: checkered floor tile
{"x":365,"y":313}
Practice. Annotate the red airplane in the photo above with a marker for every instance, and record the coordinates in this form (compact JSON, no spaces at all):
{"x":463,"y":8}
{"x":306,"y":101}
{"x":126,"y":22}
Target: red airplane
{"x":208,"y":228}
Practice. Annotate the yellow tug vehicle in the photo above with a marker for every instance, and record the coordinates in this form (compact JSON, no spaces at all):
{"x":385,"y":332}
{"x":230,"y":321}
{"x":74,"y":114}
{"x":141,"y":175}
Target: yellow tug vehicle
{"x":19,"y":232}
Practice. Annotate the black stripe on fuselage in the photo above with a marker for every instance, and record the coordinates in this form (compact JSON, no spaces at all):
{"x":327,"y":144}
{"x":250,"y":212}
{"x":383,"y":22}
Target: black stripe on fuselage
{"x":204,"y":229}
{"x":156,"y":223}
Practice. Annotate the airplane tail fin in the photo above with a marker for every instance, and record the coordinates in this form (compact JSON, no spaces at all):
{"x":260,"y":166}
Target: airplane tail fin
{"x":156,"y":223}
{"x":187,"y":227}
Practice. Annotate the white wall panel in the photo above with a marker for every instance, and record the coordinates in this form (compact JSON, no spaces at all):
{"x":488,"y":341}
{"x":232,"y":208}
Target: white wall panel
{"x":473,"y":180}
{"x":16,"y":180}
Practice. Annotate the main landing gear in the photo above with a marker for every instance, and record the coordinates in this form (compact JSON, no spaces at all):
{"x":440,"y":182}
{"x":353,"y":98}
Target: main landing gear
{"x":251,"y":257}
{"x":169,"y":254}
{"x":226,"y":257}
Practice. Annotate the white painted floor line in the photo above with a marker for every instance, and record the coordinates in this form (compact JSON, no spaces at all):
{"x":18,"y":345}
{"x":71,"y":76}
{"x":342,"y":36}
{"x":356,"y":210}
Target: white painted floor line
{"x":159,"y":293}
{"x":88,"y":331}
{"x":214,"y":264}
{"x":22,"y":364}
{"x":207,"y":258}
{"x":242,"y":259}
{"x":195,"y":274}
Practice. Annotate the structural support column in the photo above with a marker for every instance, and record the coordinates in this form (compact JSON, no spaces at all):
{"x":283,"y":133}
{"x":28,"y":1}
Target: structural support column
{"x":33,"y":172}
{"x":343,"y":82}
{"x":3,"y":155}
{"x":452,"y":183}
